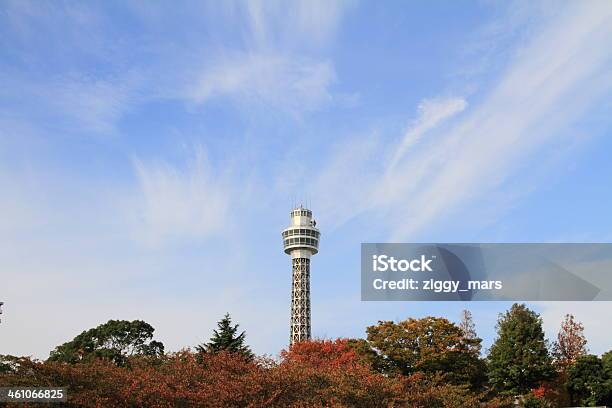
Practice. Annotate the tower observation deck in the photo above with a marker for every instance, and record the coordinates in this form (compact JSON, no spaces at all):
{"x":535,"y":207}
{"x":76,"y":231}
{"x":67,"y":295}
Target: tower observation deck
{"x":300,"y":241}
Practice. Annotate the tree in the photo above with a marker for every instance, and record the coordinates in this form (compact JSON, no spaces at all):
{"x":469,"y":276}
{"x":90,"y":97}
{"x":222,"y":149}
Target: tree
{"x":606,"y":359}
{"x":430,"y":345}
{"x":587,"y":382}
{"x":519,"y":360}
{"x":533,"y":401}
{"x":225,"y":338}
{"x":8,"y":363}
{"x":323,"y":353}
{"x":467,"y":326}
{"x":115,"y":340}
{"x":216,"y":380}
{"x":368,"y":355}
{"x":570,"y":343}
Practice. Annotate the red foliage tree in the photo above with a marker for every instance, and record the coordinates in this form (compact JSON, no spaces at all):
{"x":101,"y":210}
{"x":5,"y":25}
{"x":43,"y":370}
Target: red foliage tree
{"x":322,"y":353}
{"x":570,"y":343}
{"x":312,"y":374}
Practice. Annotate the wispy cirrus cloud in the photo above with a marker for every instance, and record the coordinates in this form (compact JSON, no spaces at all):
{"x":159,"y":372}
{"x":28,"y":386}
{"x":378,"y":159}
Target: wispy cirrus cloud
{"x":280,"y":64}
{"x":271,"y":24}
{"x":278,"y":82}
{"x":44,"y":87}
{"x":555,"y":75}
{"x":431,"y":112}
{"x":191,"y":201}
{"x":561,"y":71}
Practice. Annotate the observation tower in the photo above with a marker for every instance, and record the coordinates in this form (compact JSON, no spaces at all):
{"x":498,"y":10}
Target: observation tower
{"x":300,"y":241}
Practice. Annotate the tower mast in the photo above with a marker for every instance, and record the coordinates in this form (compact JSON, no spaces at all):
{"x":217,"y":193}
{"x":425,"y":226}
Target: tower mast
{"x":300,"y":241}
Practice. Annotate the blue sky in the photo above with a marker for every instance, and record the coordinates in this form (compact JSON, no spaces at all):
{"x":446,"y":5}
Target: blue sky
{"x":150,"y":154}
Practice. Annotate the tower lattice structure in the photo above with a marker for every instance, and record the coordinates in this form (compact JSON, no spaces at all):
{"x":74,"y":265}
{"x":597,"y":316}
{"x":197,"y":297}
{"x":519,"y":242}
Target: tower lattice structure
{"x":300,"y":241}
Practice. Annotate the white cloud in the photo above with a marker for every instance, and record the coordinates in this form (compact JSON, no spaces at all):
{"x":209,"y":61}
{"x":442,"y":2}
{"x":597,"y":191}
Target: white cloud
{"x":277,"y":64}
{"x":338,"y":198}
{"x":94,"y":104}
{"x":280,"y":67}
{"x":341,"y":189}
{"x":560,"y":72}
{"x":52,"y":90}
{"x":73,"y":103}
{"x":273,"y":24}
{"x":269,"y":81}
{"x":551,"y":82}
{"x":191,"y":202}
{"x":431,"y":112}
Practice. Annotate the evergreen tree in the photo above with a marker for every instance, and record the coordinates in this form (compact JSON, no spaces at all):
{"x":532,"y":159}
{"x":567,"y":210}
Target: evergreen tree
{"x":225,"y":338}
{"x":519,"y":360}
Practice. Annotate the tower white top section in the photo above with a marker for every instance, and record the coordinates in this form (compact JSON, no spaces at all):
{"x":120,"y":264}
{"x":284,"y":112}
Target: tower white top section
{"x":301,"y":238}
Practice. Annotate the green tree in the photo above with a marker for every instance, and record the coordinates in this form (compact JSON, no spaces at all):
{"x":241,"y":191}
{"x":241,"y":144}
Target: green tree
{"x":430,"y":345}
{"x":519,"y":360}
{"x":226,"y":338}
{"x":8,"y":363}
{"x":531,"y":401}
{"x":606,"y":359}
{"x":115,"y":340}
{"x":587,"y":382}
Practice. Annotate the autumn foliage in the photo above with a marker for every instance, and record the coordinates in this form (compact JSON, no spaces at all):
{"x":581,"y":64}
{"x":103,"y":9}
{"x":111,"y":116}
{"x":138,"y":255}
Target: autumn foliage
{"x":212,"y":380}
{"x":322,"y":353}
{"x":415,"y":363}
{"x":318,"y":373}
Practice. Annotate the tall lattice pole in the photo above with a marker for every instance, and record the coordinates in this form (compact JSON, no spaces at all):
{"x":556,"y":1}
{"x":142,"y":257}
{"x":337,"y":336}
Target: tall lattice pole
{"x":300,"y":241}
